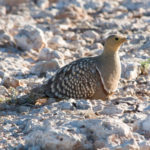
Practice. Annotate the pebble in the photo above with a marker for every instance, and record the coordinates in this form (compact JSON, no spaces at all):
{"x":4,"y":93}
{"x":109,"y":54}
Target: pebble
{"x":11,"y":82}
{"x":56,"y":42}
{"x":44,"y":66}
{"x":2,"y":10}
{"x":48,"y":54}
{"x":130,"y":70}
{"x":30,"y":37}
{"x":91,"y":34}
{"x":43,"y":4}
{"x":3,"y":90}
{"x":145,"y":125}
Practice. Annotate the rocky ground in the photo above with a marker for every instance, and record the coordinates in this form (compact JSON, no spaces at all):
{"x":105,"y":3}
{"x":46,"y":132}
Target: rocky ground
{"x":39,"y":36}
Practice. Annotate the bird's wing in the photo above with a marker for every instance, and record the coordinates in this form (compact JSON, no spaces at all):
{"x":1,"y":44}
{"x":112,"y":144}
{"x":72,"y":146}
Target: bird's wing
{"x":75,"y":80}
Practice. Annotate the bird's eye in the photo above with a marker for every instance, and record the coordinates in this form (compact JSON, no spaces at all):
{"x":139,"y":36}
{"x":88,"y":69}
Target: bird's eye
{"x":116,"y":39}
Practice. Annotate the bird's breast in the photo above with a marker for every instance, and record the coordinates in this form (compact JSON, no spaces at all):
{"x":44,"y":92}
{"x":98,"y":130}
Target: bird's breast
{"x":110,"y":71}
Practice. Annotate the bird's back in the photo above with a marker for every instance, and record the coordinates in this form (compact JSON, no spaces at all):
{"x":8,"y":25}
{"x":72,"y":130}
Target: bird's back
{"x":79,"y":79}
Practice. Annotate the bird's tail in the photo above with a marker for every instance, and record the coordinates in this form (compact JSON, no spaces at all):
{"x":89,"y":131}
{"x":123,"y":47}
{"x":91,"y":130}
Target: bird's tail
{"x":34,"y":94}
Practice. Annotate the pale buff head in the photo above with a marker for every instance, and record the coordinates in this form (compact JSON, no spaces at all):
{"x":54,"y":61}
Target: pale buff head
{"x":114,"y":42}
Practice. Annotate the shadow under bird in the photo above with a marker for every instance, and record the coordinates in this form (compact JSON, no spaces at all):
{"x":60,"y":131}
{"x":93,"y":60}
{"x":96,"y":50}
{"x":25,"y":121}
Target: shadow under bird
{"x":86,"y":78}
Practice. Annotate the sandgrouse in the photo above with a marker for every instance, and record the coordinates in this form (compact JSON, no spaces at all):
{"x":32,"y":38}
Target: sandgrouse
{"x":91,"y":77}
{"x":87,"y":78}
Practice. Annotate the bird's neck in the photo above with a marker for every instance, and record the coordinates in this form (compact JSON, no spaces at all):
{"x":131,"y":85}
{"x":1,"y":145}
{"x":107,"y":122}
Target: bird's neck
{"x":111,"y":50}
{"x":110,"y":53}
{"x":110,"y":67}
{"x":110,"y":59}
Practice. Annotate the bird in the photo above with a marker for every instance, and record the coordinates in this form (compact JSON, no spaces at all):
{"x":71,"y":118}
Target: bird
{"x":87,"y":78}
{"x":91,"y":77}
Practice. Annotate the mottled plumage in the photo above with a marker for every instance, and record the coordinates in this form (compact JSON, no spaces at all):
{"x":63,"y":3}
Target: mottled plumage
{"x":89,"y":78}
{"x":76,"y":80}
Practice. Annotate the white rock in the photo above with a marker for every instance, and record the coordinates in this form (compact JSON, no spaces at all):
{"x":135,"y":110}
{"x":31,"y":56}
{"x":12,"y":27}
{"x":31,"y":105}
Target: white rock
{"x":145,"y":145}
{"x":130,"y":70}
{"x":146,"y":124}
{"x":43,"y":4}
{"x":90,"y":34}
{"x":57,"y":41}
{"x":30,"y":37}
{"x":2,"y":10}
{"x":77,"y":132}
{"x":44,"y":66}
{"x":67,"y":54}
{"x":5,"y":38}
{"x":53,"y":139}
{"x":97,"y":46}
{"x":64,"y":105}
{"x":112,"y":110}
{"x":48,"y":54}
{"x":12,"y":63}
{"x":3,"y":90}
{"x":83,"y":104}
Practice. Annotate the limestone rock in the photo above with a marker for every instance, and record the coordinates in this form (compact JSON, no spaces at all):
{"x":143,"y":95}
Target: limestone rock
{"x":5,"y":38}
{"x":48,"y":54}
{"x":56,"y":41}
{"x":43,"y":4}
{"x":91,"y":35}
{"x":72,"y":12}
{"x":30,"y":38}
{"x":130,"y":70}
{"x":2,"y":10}
{"x":11,"y":82}
{"x":44,"y":66}
{"x":3,"y":90}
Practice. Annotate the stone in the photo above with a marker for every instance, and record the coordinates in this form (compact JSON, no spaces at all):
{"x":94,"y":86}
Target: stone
{"x":97,"y":46}
{"x":72,"y":12}
{"x":5,"y":38}
{"x":56,"y":42}
{"x":22,"y":109}
{"x":2,"y":74}
{"x":97,"y":130}
{"x":11,"y":82}
{"x":44,"y":66}
{"x":146,"y":124}
{"x":3,"y":90}
{"x":64,"y":105}
{"x":90,"y":34}
{"x":12,"y":64}
{"x":83,"y":104}
{"x":30,"y":37}
{"x":2,"y":10}
{"x":145,"y":145}
{"x":112,"y":110}
{"x":43,"y":4}
{"x":48,"y":54}
{"x":130,"y":70}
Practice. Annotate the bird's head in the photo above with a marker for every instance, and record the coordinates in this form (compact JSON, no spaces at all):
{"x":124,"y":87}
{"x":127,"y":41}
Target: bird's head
{"x":114,"y":42}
